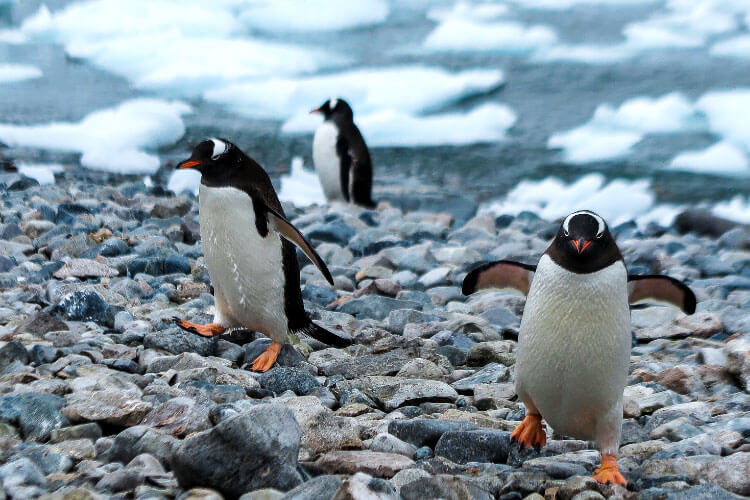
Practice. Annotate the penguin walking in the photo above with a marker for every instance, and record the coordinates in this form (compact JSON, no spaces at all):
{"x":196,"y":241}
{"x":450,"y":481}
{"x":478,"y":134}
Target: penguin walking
{"x":341,"y":157}
{"x":575,"y":337}
{"x":249,"y":249}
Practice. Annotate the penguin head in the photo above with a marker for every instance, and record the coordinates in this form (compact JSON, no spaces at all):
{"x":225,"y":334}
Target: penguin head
{"x":583,"y":243}
{"x":336,"y":109}
{"x":212,"y":156}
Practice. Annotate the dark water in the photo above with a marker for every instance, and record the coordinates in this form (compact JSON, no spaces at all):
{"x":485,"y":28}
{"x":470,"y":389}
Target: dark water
{"x":547,"y":98}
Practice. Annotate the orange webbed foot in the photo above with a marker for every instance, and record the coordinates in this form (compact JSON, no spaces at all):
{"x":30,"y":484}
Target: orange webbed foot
{"x":265,"y":361}
{"x":530,"y":432}
{"x":608,"y":472}
{"x":208,"y":330}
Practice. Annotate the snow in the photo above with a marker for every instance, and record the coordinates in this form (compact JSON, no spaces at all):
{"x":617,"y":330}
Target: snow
{"x":367,"y":90}
{"x":186,"y":47}
{"x":301,"y":186}
{"x":720,"y":158}
{"x":456,"y":34}
{"x":44,"y":173}
{"x":18,"y":72}
{"x":113,"y":139}
{"x":738,"y":46}
{"x":736,"y":209}
{"x":618,"y":200}
{"x":321,"y":15}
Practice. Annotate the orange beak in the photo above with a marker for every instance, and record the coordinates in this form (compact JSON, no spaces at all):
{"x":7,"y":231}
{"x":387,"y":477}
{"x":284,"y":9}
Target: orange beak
{"x":581,"y":245}
{"x":188,"y":164}
{"x":316,"y":111}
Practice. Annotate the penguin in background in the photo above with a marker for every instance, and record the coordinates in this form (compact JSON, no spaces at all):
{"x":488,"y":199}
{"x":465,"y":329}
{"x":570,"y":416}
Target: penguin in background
{"x":575,"y":338}
{"x":248,"y":244}
{"x":341,"y":157}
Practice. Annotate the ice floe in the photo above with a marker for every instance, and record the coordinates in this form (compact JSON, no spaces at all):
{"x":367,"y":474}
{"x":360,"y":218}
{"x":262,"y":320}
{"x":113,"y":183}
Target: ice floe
{"x":321,"y":15}
{"x":182,"y":181}
{"x":114,"y":139}
{"x":720,"y":158}
{"x":18,"y":72}
{"x":301,"y":186}
{"x":567,"y":4}
{"x":727,"y":112}
{"x":44,"y":173}
{"x":738,"y":46}
{"x":12,"y":36}
{"x":456,"y":34}
{"x":737,"y":209}
{"x":468,"y":10}
{"x":618,"y":200}
{"x":590,"y":143}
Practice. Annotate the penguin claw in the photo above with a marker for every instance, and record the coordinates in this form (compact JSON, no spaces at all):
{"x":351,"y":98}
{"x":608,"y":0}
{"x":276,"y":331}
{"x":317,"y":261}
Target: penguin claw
{"x":530,"y":432}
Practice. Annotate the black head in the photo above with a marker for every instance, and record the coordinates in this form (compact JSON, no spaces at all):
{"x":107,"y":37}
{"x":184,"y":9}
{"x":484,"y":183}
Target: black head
{"x":221,"y":163}
{"x":583,"y":243}
{"x":335,"y":109}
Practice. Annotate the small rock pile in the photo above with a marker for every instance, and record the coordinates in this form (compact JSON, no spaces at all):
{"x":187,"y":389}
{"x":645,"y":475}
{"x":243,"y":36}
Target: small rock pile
{"x":102,"y":397}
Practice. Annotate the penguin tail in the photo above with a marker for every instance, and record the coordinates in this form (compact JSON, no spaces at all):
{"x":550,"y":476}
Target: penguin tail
{"x":337,"y":339}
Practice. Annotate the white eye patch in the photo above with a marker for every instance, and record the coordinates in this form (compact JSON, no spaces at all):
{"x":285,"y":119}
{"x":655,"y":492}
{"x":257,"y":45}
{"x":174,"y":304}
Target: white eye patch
{"x":333,"y":102}
{"x":220,"y":147}
{"x":600,"y":222}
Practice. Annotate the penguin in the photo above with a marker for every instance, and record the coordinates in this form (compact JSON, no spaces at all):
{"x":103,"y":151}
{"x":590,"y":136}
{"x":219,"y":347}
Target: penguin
{"x":575,"y":338}
{"x":341,"y":157}
{"x":248,"y":244}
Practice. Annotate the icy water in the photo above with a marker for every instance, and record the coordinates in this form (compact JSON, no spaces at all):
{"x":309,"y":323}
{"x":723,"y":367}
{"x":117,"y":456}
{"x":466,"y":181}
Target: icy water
{"x":475,"y":97}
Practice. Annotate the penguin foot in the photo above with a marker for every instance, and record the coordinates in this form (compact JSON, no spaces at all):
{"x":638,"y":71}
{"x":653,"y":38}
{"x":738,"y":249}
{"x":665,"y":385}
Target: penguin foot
{"x":209,"y":330}
{"x":608,"y":472}
{"x":265,"y":361}
{"x":530,"y":432}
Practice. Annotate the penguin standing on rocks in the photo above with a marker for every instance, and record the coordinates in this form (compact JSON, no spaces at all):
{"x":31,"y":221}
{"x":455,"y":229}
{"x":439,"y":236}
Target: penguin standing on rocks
{"x":341,"y":157}
{"x":575,"y":337}
{"x":249,"y":249}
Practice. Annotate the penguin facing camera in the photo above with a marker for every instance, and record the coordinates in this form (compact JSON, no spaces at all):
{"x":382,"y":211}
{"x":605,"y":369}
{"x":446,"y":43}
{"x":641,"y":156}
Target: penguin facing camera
{"x":341,"y":157}
{"x":249,"y":249}
{"x":575,"y":337}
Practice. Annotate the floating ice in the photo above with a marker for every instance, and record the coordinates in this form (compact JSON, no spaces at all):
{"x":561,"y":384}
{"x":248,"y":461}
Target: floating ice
{"x":301,"y":186}
{"x":648,"y":36}
{"x":618,"y":200}
{"x":321,"y":15}
{"x":733,"y":47}
{"x":721,"y":158}
{"x":736,"y":209}
{"x":112,"y":139}
{"x":727,"y":112}
{"x":456,"y":34}
{"x":181,"y":46}
{"x":187,"y":180}
{"x":590,"y":143}
{"x":18,"y":72}
{"x":468,"y":10}
{"x":583,"y":53}
{"x":44,"y":173}
{"x":12,"y":37}
{"x":567,"y":4}
{"x":367,"y":90}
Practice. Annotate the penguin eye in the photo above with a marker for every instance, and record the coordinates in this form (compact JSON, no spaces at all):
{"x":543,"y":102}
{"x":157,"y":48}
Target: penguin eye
{"x":565,"y":232}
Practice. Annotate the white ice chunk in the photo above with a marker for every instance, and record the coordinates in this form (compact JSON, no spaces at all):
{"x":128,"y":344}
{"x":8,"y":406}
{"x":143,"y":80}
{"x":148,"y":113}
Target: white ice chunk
{"x":468,"y":10}
{"x":669,"y":113}
{"x":644,"y":35}
{"x":18,"y":72}
{"x":720,"y":158}
{"x":184,"y":180}
{"x":320,"y":15}
{"x":301,"y":186}
{"x":727,"y":113}
{"x":584,"y":53}
{"x":112,"y":139}
{"x":736,"y":209}
{"x":44,"y":173}
{"x":12,"y":36}
{"x":406,"y":88}
{"x":738,"y":46}
{"x":567,"y":4}
{"x":455,"y":34}
{"x":551,"y":198}
{"x":590,"y":143}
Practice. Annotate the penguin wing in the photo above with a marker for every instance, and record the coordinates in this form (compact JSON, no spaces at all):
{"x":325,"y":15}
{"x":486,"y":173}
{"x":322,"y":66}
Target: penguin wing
{"x":293,"y":234}
{"x":499,"y":274}
{"x":661,"y":289}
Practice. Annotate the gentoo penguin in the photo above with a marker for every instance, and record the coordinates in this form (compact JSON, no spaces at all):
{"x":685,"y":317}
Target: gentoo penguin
{"x":248,"y":246}
{"x":574,"y":343}
{"x":341,"y":157}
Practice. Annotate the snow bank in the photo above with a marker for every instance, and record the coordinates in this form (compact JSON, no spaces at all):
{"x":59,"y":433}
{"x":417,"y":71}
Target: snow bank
{"x":113,"y":139}
{"x":721,"y":158}
{"x":18,"y":72}
{"x":320,"y":15}
{"x":409,"y":88}
{"x":301,"y":186}
{"x":456,"y":34}
{"x":44,"y":173}
{"x":618,"y":200}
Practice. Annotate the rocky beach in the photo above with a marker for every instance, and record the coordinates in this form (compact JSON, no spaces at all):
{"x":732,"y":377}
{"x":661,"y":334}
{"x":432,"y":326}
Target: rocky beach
{"x":101,"y":396}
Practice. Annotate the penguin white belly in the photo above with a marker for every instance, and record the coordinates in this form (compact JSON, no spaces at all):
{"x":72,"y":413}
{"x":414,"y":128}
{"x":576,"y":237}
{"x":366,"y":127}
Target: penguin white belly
{"x":326,"y":160}
{"x":574,"y":350}
{"x":246,"y":269}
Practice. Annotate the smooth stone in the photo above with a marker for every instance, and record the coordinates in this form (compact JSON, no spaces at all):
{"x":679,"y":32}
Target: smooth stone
{"x":485,"y":445}
{"x":426,"y":432}
{"x":370,"y":462}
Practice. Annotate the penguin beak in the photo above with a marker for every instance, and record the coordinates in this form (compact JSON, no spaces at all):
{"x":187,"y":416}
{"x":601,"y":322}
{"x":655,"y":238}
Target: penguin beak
{"x":316,"y":111}
{"x":188,"y":164}
{"x":581,"y":245}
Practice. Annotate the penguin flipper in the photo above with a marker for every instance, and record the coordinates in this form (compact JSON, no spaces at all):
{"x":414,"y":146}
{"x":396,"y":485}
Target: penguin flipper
{"x":326,"y":336}
{"x":499,"y":274}
{"x":293,"y":234}
{"x":360,"y":183}
{"x":661,"y":289}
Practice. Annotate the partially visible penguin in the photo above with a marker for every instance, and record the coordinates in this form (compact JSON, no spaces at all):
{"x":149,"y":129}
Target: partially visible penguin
{"x":575,"y":337}
{"x":341,"y":157}
{"x":248,"y":246}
